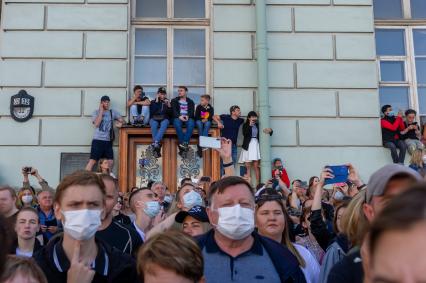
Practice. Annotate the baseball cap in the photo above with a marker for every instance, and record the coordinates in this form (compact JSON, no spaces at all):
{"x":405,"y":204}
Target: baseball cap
{"x":162,"y":90}
{"x":378,"y":181}
{"x":198,"y":212}
{"x":105,"y":98}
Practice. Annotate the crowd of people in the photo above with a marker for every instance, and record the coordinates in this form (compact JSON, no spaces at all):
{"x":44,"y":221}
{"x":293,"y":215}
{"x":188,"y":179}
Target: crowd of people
{"x":323,"y":230}
{"x":216,"y":230}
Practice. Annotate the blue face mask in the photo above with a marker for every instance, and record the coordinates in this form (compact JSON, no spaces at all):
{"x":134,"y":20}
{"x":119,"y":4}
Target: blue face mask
{"x":391,"y":114}
{"x":192,"y":199}
{"x":339,"y":195}
{"x":152,"y":208}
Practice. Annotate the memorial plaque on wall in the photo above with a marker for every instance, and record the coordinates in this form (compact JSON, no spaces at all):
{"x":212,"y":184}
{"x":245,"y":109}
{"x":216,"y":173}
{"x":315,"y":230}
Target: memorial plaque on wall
{"x":71,"y":162}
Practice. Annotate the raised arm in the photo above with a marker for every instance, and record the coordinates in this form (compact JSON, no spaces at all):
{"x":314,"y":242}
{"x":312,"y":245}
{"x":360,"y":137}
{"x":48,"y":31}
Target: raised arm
{"x":98,"y":118}
{"x":216,"y":118}
{"x":226,"y":154}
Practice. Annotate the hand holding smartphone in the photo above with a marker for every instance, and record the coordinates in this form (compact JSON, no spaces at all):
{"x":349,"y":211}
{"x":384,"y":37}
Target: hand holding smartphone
{"x":340,"y":172}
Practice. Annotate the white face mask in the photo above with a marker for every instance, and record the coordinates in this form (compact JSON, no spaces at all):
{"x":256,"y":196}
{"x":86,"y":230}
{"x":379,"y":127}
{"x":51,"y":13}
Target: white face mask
{"x":235,"y":222}
{"x":82,"y":224}
{"x":168,"y":199}
{"x":192,"y":199}
{"x":27,"y":199}
{"x":152,"y":208}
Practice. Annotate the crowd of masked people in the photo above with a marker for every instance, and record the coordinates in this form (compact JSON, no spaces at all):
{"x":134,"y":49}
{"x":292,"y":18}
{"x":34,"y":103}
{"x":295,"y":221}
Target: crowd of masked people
{"x":216,"y":230}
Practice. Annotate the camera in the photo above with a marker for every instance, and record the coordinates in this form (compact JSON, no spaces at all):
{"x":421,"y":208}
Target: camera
{"x":28,"y":170}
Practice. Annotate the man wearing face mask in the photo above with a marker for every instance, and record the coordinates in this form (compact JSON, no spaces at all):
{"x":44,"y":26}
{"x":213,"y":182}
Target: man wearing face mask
{"x":232,"y":251}
{"x":391,"y":137}
{"x":144,"y":203}
{"x":76,"y":256}
{"x":120,"y":236}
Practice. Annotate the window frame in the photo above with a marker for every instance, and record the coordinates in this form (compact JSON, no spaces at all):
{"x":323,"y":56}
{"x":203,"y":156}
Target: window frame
{"x":410,"y":65}
{"x":170,"y":20}
{"x":170,"y":24}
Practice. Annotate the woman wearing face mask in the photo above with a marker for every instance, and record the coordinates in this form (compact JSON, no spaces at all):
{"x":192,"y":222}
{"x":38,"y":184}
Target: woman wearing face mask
{"x":26,"y":226}
{"x":76,"y":256}
{"x":186,"y":198}
{"x":26,"y":198}
{"x":272,"y":221}
{"x":250,"y":154}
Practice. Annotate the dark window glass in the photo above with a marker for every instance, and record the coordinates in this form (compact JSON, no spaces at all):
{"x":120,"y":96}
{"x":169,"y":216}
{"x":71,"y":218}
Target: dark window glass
{"x":388,"y":9}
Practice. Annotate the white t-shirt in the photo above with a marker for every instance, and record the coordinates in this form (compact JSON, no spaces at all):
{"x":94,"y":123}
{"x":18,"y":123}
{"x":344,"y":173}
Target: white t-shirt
{"x":312,"y":268}
{"x":23,"y":254}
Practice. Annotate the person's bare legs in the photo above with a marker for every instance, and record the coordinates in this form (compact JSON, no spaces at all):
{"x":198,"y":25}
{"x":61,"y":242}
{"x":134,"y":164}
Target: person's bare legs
{"x":256,"y":171}
{"x":248,"y":166}
{"x":90,"y":164}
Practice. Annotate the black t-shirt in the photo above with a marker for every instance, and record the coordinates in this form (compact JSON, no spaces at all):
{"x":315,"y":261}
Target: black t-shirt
{"x":121,"y":237}
{"x":231,"y":127}
{"x":411,"y":134}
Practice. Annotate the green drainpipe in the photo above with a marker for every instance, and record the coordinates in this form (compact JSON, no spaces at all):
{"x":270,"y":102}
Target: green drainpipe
{"x":263,"y":92}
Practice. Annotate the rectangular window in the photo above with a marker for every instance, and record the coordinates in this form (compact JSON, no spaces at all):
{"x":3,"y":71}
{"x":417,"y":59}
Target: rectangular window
{"x":171,"y":9}
{"x":390,"y":42}
{"x":170,"y":46}
{"x":392,"y":71}
{"x":395,"y":96}
{"x":418,"y":9}
{"x":388,"y":9}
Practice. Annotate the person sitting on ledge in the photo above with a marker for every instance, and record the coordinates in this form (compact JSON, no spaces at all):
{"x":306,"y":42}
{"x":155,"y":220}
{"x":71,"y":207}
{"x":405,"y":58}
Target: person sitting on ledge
{"x":139,"y":107}
{"x":160,"y":110}
{"x":183,"y":113}
{"x":391,"y":128}
{"x":411,"y":135}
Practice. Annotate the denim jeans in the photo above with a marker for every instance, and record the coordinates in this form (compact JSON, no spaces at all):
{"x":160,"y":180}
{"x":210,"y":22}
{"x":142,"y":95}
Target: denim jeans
{"x":158,"y":133}
{"x":183,"y":137}
{"x":394,"y":153}
{"x":203,"y":128}
{"x":145,"y":113}
{"x":234,"y":158}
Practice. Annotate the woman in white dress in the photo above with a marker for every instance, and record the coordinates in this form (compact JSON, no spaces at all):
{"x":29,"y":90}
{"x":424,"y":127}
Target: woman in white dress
{"x":250,"y":154}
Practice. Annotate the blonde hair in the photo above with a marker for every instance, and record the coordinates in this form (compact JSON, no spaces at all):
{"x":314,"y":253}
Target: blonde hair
{"x":19,"y":202}
{"x":171,"y":250}
{"x":417,"y":158}
{"x":354,"y":223}
{"x":25,"y":266}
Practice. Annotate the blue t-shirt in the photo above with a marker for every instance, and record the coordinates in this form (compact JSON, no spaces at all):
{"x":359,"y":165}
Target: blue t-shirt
{"x":102,"y":133}
{"x":231,"y":127}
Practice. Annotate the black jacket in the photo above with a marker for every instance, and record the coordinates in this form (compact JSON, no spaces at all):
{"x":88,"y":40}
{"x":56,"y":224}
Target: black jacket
{"x":176,"y":108}
{"x":284,"y":261}
{"x":159,"y":108}
{"x":121,"y":267}
{"x":37,"y":246}
{"x":348,"y":270}
{"x":247,"y":134}
{"x":208,"y":109}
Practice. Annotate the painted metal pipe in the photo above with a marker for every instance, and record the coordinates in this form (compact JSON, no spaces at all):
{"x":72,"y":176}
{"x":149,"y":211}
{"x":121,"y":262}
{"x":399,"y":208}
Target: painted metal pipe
{"x":263,"y":89}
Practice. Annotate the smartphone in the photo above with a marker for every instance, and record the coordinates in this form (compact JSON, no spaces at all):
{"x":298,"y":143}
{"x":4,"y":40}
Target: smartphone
{"x":50,"y":223}
{"x":243,"y":171}
{"x":274,"y":183}
{"x":340,"y":172}
{"x":210,"y":142}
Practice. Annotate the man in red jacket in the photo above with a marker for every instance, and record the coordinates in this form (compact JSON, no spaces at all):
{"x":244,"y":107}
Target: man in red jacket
{"x":278,"y":167}
{"x":391,"y":128}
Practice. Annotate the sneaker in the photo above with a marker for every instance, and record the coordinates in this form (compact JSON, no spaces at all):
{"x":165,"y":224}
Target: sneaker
{"x":200,"y":152}
{"x":186,"y":146}
{"x":157,"y":150}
